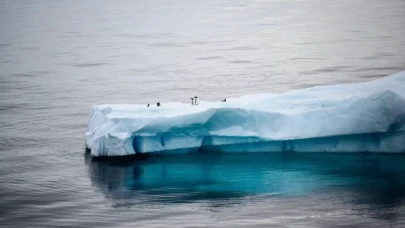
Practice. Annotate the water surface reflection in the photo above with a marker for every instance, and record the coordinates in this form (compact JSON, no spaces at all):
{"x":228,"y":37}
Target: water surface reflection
{"x":375,"y":179}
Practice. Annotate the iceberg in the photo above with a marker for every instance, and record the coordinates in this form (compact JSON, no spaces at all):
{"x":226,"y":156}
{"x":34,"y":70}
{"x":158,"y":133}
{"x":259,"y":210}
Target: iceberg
{"x":361,"y":117}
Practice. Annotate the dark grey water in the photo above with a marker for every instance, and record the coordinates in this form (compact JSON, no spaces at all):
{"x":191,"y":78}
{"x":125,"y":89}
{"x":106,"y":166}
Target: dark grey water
{"x":59,"y":57}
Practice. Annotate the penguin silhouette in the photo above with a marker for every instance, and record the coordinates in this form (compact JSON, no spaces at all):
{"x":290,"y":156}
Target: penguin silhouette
{"x":158,"y":104}
{"x":147,"y":105}
{"x":224,"y":100}
{"x":192,"y":101}
{"x":195,"y":100}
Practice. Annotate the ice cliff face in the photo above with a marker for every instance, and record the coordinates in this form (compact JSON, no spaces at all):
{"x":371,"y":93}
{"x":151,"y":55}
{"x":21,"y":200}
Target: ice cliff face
{"x":365,"y":117}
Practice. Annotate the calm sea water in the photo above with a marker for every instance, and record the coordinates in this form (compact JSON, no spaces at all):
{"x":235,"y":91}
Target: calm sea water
{"x":59,"y":57}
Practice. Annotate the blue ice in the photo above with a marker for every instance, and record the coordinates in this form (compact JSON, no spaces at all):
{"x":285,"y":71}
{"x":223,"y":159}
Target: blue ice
{"x":362,"y":117}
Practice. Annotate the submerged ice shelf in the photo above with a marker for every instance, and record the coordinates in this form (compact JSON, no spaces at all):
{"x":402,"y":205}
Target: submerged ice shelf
{"x":363,"y":117}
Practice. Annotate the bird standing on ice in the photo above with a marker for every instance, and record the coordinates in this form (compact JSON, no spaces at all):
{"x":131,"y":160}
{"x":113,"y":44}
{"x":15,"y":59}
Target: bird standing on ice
{"x":195,"y":100}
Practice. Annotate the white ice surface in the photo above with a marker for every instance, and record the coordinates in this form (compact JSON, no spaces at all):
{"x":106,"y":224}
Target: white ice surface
{"x":363,"y":117}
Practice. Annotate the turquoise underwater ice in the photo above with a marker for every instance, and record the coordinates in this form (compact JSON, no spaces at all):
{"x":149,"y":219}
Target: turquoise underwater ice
{"x":377,"y":179}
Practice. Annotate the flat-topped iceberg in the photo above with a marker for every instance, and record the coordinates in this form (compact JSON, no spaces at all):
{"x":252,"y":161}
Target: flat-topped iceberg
{"x":363,"y":117}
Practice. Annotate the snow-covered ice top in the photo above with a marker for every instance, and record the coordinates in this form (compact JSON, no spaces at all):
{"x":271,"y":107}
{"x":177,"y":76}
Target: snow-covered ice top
{"x":363,"y":117}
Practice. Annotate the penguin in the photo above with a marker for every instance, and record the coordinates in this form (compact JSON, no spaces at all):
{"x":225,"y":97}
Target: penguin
{"x":158,"y":104}
{"x":195,"y":100}
{"x":224,"y":100}
{"x":192,"y":101}
{"x":147,"y":105}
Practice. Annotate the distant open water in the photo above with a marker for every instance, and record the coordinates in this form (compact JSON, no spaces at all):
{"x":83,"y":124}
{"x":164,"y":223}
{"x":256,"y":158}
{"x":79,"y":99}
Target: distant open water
{"x":59,"y":57}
